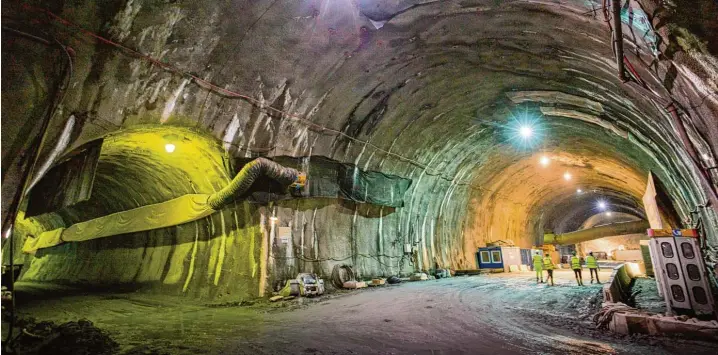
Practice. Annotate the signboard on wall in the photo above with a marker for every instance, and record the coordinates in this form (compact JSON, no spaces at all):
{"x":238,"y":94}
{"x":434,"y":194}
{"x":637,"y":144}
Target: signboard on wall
{"x":285,"y":235}
{"x":649,"y":204}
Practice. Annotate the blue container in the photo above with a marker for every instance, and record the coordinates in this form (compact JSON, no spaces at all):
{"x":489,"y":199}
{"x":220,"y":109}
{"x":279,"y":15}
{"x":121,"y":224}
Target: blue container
{"x":490,"y":258}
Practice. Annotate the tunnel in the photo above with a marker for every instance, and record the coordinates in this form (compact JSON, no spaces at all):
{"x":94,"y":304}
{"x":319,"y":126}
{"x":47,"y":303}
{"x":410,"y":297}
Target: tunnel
{"x":364,"y":139}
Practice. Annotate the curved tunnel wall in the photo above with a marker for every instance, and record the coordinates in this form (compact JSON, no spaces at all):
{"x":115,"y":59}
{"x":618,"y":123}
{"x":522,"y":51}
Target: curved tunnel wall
{"x":420,"y":90}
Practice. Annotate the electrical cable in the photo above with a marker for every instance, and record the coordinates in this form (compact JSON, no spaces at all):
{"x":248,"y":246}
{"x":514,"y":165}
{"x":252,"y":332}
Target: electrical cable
{"x":234,"y":49}
{"x":672,"y":103}
{"x":337,"y":279}
{"x":233,"y":94}
{"x":36,"y":149}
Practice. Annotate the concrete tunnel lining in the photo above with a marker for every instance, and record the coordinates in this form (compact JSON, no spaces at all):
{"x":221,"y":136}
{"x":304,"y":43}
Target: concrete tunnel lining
{"x":424,"y":86}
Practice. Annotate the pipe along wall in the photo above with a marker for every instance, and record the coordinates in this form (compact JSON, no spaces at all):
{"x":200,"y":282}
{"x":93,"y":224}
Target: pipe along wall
{"x":609,"y":230}
{"x":184,"y":209}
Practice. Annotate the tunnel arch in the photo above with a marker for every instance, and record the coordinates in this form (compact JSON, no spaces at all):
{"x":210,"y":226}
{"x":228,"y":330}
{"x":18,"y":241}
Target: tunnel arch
{"x":424,"y":91}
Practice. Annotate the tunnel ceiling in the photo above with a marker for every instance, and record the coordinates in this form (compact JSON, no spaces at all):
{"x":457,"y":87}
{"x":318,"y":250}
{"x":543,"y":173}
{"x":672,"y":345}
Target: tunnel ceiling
{"x":429,"y":90}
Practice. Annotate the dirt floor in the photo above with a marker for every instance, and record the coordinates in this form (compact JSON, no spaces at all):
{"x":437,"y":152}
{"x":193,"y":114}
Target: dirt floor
{"x":496,"y":314}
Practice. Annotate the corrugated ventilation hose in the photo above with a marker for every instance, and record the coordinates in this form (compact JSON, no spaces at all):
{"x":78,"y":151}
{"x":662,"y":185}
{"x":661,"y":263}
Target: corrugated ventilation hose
{"x":246,"y":177}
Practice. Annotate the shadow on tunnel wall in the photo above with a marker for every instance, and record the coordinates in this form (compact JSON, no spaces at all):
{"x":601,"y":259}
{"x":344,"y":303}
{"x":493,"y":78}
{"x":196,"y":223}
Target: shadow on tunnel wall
{"x":665,"y":204}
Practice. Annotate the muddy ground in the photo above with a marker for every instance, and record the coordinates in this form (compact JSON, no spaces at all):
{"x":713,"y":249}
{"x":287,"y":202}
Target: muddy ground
{"x":491,"y":314}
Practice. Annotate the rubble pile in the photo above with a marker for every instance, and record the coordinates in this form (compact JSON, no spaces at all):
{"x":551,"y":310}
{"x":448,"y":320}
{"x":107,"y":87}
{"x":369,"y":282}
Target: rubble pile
{"x":76,"y":338}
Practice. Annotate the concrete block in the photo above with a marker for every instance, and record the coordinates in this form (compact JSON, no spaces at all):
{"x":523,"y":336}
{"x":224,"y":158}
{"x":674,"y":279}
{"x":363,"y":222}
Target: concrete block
{"x":636,"y":323}
{"x":276,"y":298}
{"x":513,"y":268}
{"x":524,"y":268}
{"x":377,"y":282}
{"x":354,"y":284}
{"x":618,"y":323}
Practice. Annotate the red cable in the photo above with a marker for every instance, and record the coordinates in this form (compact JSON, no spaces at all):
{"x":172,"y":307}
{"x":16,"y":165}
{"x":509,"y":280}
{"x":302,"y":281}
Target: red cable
{"x":208,"y":85}
{"x":204,"y":83}
{"x":633,"y":71}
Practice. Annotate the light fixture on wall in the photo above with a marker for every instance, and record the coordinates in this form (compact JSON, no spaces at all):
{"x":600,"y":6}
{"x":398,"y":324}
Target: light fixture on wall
{"x":579,"y":191}
{"x":274,"y":218}
{"x":169,"y":147}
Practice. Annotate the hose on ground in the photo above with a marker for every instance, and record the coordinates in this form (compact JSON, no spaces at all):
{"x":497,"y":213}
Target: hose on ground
{"x":338,"y":272}
{"x":246,"y":177}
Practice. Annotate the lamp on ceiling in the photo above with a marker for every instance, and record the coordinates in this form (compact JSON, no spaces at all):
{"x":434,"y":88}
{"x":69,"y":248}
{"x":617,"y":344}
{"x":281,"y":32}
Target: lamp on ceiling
{"x":524,"y":130}
{"x":544,"y":161}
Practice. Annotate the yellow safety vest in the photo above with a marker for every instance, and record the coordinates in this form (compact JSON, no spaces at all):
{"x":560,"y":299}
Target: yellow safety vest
{"x":547,"y":263}
{"x":575,"y":263}
{"x":538,"y":262}
{"x":591,"y":262}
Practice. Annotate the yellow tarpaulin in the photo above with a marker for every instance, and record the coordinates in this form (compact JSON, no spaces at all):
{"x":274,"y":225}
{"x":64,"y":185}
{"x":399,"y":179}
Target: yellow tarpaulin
{"x":44,"y":240}
{"x":180,"y":210}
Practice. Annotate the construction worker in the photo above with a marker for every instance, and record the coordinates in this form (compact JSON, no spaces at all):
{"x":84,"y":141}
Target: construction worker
{"x":538,"y":266}
{"x":548,"y":266}
{"x":576,"y":266}
{"x":592,"y":266}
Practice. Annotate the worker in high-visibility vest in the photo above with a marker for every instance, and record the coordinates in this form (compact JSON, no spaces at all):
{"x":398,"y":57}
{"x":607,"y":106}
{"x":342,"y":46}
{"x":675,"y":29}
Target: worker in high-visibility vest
{"x":592,"y":266}
{"x":548,"y":266}
{"x":538,"y":267}
{"x":576,"y":266}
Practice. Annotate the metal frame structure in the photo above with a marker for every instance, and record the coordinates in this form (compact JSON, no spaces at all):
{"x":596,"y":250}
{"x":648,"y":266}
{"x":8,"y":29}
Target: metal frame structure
{"x":682,"y":278}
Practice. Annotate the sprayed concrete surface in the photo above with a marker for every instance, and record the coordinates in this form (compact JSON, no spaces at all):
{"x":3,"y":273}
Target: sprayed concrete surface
{"x":500,"y":314}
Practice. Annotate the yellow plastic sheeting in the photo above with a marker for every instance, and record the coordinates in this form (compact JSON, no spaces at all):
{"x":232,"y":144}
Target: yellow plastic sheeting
{"x":180,"y":210}
{"x":44,"y":240}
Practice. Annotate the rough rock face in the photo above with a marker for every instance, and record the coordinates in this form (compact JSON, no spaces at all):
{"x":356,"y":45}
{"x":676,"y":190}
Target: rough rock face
{"x":426,"y":90}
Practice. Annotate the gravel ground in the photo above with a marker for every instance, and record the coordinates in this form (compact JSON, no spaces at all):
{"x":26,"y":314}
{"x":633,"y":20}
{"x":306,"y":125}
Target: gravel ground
{"x":646,"y":295}
{"x":494,"y":314}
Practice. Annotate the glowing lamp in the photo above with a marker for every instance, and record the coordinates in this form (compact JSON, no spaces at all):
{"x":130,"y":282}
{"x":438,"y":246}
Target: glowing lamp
{"x":544,"y":160}
{"x":567,"y":176}
{"x":169,"y":147}
{"x":526,"y":131}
